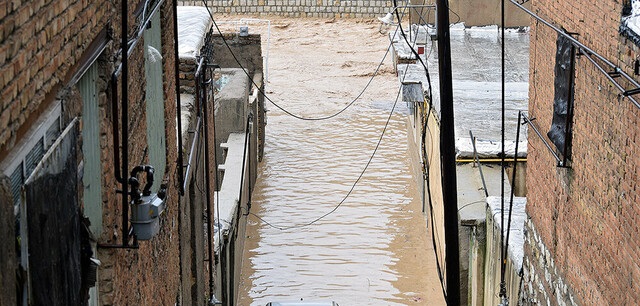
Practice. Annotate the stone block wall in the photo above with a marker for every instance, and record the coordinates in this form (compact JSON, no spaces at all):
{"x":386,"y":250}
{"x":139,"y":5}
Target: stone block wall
{"x":299,"y":8}
{"x":582,"y":237}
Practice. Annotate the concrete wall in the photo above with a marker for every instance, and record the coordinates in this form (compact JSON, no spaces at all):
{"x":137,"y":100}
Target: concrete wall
{"x":480,"y":13}
{"x":238,"y":98}
{"x":492,"y":269}
{"x":581,"y":242}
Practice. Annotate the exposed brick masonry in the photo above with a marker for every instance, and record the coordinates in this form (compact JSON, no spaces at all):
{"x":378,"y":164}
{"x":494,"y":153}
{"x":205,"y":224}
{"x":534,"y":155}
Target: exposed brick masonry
{"x":582,"y":237}
{"x":39,"y":40}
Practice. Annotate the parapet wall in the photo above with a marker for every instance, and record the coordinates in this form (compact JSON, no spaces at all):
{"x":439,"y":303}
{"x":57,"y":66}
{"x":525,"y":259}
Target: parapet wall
{"x":475,"y":13}
{"x":299,"y":8}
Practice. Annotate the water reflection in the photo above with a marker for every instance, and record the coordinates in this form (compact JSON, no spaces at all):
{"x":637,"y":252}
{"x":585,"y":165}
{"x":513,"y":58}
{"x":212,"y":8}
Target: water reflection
{"x":308,"y":169}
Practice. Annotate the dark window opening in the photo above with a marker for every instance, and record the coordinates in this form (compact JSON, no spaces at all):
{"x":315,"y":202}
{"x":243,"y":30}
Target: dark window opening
{"x":561,"y":125}
{"x":630,"y":21}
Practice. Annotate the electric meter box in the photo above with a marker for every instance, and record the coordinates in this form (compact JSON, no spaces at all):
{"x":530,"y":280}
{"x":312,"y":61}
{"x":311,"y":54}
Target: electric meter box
{"x":144,"y":216}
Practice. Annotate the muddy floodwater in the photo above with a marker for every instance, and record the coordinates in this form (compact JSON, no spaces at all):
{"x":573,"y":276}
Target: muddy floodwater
{"x":375,"y":248}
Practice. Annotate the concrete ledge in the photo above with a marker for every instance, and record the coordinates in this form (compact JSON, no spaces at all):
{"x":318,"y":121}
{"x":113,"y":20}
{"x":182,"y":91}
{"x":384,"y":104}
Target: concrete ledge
{"x":231,"y":184}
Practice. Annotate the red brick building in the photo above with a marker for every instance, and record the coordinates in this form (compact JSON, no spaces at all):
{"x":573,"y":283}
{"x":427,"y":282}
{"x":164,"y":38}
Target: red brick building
{"x":62,"y":151}
{"x":581,"y":241}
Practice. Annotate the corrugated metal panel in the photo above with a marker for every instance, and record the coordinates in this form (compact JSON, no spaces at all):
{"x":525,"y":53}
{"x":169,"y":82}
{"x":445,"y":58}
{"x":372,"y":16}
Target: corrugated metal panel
{"x":155,"y":101}
{"x":92,"y":176}
{"x":33,"y":157}
{"x":52,"y":133}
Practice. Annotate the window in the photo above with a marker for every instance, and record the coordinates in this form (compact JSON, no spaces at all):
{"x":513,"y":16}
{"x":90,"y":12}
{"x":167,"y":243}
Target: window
{"x":18,"y":167}
{"x":561,"y":126}
{"x":630,"y":25}
{"x":155,"y":100}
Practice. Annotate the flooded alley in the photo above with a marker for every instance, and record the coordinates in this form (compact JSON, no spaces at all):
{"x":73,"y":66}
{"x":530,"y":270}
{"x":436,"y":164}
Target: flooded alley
{"x":370,"y":247}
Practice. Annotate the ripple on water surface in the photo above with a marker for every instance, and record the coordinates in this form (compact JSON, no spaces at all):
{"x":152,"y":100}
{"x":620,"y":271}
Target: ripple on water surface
{"x":308,"y":169}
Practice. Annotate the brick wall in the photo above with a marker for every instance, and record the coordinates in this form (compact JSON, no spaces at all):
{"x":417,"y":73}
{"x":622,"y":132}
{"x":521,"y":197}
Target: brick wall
{"x":39,"y":42}
{"x":150,"y":274}
{"x":298,"y":8}
{"x":581,"y":242}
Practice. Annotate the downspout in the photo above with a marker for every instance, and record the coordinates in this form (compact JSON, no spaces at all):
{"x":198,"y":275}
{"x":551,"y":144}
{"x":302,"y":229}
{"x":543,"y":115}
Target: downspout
{"x":125,"y":123}
{"x":208,"y":185}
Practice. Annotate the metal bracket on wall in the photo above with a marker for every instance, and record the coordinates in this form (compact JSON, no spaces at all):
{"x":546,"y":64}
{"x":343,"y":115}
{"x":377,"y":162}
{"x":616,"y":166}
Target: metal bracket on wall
{"x":562,"y":162}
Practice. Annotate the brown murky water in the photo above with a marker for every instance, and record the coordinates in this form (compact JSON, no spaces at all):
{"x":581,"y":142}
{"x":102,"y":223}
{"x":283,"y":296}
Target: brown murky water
{"x":374,"y":249}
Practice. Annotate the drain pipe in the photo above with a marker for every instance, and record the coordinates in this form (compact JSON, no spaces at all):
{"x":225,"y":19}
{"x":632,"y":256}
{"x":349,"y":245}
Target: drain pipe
{"x":176,"y":70}
{"x":125,"y":123}
{"x":208,"y":183}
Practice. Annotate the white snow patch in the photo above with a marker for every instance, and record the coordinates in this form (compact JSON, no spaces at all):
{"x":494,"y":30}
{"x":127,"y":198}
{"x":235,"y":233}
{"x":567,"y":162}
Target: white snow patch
{"x":193,"y":24}
{"x":488,"y":148}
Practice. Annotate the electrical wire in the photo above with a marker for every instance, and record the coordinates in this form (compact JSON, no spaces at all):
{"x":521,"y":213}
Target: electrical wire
{"x":503,"y":255}
{"x":353,"y":186}
{"x":323,"y":118}
{"x":279,"y":106}
{"x":426,"y":162}
{"x":425,"y":66}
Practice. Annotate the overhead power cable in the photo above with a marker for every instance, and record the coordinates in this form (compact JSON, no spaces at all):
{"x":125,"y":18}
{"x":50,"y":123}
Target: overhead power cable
{"x":290,"y":113}
{"x":426,"y":162}
{"x":298,"y":117}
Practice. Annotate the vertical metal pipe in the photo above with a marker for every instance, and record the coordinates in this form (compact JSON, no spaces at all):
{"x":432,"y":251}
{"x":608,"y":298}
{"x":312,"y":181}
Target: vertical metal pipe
{"x":503,"y":253}
{"x":125,"y":123}
{"x":114,"y":126}
{"x":176,"y":70}
{"x":448,"y":157}
{"x":513,"y":179}
{"x":208,"y":183}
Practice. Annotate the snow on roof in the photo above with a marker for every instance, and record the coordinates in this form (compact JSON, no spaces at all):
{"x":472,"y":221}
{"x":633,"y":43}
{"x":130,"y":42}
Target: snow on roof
{"x":476,"y":72}
{"x":518,"y":217}
{"x":193,"y":24}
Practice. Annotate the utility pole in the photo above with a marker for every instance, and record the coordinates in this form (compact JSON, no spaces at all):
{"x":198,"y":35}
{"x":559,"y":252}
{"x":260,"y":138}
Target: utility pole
{"x":448,"y":156}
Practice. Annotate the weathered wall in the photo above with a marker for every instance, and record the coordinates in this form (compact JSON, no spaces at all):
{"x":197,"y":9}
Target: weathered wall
{"x":150,"y":273}
{"x":8,"y":260}
{"x":493,"y":269}
{"x":480,"y":13}
{"x":41,"y":44}
{"x":248,"y":51}
{"x":581,"y":243}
